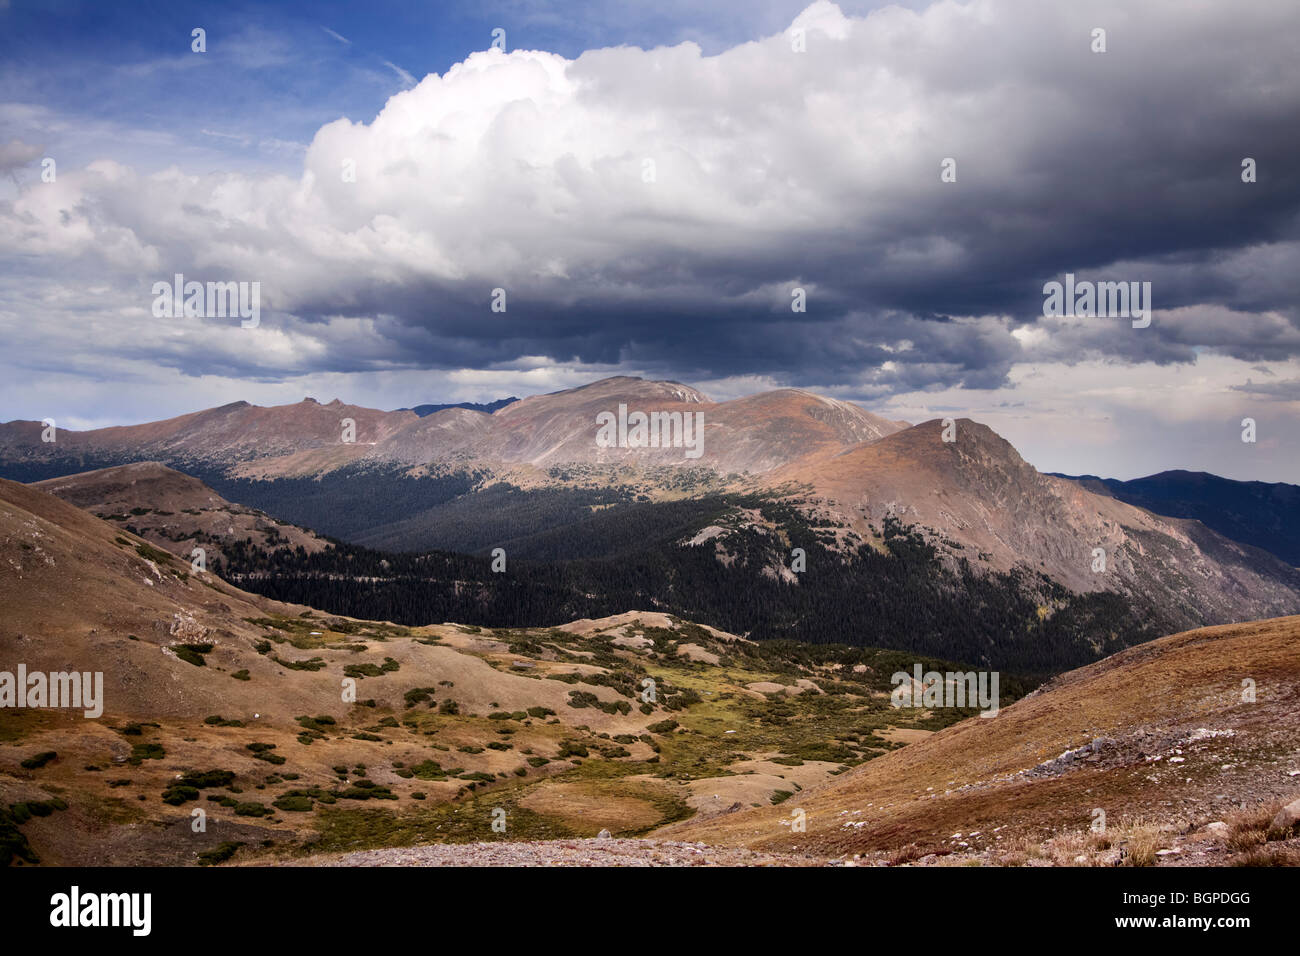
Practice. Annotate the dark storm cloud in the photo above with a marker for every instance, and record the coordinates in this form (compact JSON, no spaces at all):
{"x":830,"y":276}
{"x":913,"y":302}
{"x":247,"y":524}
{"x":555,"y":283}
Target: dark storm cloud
{"x":772,"y":170}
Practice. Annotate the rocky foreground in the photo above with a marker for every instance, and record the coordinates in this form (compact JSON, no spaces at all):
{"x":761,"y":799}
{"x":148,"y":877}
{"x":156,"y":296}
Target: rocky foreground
{"x":1219,"y":843}
{"x":594,"y":852}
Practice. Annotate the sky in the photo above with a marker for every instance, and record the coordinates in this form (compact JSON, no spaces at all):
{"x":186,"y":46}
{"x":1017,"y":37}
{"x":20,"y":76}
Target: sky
{"x":650,"y":186}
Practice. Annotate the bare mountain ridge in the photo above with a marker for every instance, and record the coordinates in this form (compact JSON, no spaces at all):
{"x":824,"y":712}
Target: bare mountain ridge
{"x":978,"y":493}
{"x":753,"y":434}
{"x":224,"y":435}
{"x":975,"y":497}
{"x":173,"y":510}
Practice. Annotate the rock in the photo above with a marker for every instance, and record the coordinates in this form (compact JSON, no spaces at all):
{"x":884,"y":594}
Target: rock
{"x":1218,"y":829}
{"x":603,"y":835}
{"x":1288,"y":816}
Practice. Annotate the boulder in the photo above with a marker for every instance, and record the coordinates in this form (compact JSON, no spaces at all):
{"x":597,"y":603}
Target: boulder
{"x":1288,"y":816}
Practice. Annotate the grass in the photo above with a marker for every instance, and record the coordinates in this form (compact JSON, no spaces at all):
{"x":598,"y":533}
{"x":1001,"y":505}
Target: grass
{"x":540,"y":767}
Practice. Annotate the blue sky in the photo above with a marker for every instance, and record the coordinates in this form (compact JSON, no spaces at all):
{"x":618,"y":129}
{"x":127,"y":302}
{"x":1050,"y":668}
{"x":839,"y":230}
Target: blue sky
{"x":650,"y":182}
{"x":276,"y":72}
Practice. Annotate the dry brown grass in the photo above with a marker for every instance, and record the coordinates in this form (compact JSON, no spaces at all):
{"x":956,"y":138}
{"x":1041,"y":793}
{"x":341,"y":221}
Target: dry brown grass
{"x":1138,"y":842}
{"x":913,"y":852}
{"x":1079,"y":848}
{"x":920,"y":793}
{"x":1267,"y":856}
{"x":1250,"y":830}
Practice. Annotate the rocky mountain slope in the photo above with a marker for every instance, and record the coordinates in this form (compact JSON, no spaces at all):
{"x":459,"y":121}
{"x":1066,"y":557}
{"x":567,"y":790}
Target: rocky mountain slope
{"x":175,"y":511}
{"x":231,"y":710}
{"x":1180,"y":750}
{"x":1263,"y":514}
{"x":977,"y":498}
{"x":752,"y":434}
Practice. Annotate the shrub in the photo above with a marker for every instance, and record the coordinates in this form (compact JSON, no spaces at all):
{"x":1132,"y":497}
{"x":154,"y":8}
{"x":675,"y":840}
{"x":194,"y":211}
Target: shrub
{"x":177,"y":794}
{"x":372,"y":792}
{"x":192,"y":653}
{"x":311,"y":664}
{"x":262,"y":751}
{"x":218,"y":854}
{"x":294,"y":801}
{"x":418,"y":694}
{"x":207,"y":779}
{"x":142,"y":752}
{"x":218,"y":721}
{"x":428,"y":770}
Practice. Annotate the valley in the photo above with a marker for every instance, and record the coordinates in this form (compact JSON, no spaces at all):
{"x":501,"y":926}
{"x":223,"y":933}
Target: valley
{"x":665,"y":664}
{"x":296,"y":731}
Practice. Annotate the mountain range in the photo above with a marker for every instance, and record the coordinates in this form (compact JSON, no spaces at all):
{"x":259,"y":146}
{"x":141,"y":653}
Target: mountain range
{"x":1264,"y":514}
{"x":488,"y":407}
{"x":943,"y":532}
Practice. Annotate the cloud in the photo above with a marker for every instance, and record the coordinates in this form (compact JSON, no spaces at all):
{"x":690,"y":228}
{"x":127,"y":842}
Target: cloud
{"x":1287,"y":391}
{"x":16,"y":154}
{"x":655,"y":208}
{"x":407,"y":79}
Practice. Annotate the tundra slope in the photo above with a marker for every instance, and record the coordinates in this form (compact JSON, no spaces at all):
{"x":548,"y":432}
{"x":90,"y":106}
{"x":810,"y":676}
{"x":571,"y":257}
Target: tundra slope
{"x":238,"y":705}
{"x":1166,"y":738}
{"x":175,"y":511}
